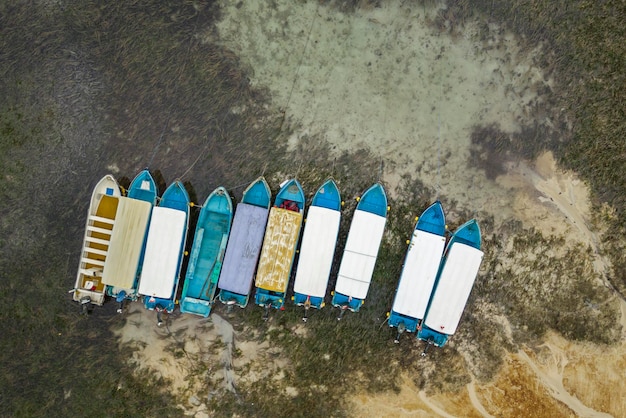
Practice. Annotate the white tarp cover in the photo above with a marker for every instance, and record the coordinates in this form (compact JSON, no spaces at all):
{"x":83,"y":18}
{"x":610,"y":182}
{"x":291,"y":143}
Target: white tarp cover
{"x":453,"y":289}
{"x":317,"y":251}
{"x":419,"y":273}
{"x":359,"y":257}
{"x":163,"y":248}
{"x":126,"y":242}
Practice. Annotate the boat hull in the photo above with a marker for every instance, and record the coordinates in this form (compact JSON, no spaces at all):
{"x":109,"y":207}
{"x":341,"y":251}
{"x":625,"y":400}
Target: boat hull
{"x":419,"y":271}
{"x":361,"y":250}
{"x":317,"y":251}
{"x":207,"y":254}
{"x":123,"y":283}
{"x":244,"y":244}
{"x":96,"y":241}
{"x":455,"y":279}
{"x":165,"y":249}
{"x":279,"y":246}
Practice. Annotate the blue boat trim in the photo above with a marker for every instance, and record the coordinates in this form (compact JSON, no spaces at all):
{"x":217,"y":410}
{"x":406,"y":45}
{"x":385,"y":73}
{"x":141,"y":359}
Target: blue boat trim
{"x":143,"y":187}
{"x":314,"y":302}
{"x":231,"y":298}
{"x":374,"y":200}
{"x":268,"y":298}
{"x":432,"y":337}
{"x":258,"y":194}
{"x":432,"y":220}
{"x":291,"y":191}
{"x":410,"y":324}
{"x":327,"y":196}
{"x":159,"y":304}
{"x":346,"y":302}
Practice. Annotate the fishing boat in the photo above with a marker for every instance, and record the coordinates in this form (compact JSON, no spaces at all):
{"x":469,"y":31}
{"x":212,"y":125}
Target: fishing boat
{"x":121,"y":274}
{"x":317,"y":251}
{"x":89,"y":288}
{"x":455,"y":279}
{"x":165,"y":247}
{"x":207,"y":253}
{"x":419,"y":271}
{"x":361,"y":250}
{"x":244,"y":244}
{"x":279,"y":246}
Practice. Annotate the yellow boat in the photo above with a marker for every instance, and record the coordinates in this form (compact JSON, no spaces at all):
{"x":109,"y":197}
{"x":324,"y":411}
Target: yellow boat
{"x":279,"y":246}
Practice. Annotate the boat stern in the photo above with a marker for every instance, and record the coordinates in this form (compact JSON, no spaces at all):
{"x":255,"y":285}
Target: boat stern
{"x":269,"y":299}
{"x":301,"y":299}
{"x":158,"y":304}
{"x":195,"y":306}
{"x":231,"y":299}
{"x":432,"y":337}
{"x":398,"y":320}
{"x":344,"y":302}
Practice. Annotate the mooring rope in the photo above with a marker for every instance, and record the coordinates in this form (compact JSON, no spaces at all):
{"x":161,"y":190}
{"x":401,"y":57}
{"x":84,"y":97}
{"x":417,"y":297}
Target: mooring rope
{"x":169,"y":110}
{"x":295,"y":77}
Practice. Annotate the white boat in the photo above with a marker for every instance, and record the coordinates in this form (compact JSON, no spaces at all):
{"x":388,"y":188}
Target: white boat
{"x":89,"y":287}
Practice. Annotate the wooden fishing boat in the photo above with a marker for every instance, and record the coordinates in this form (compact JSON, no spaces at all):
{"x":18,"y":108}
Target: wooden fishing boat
{"x":244,"y":244}
{"x":207,"y":253}
{"x":455,"y":279}
{"x":121,"y":273}
{"x":279,"y":246}
{"x":317,"y":251}
{"x":165,"y":246}
{"x":361,"y":250}
{"x":89,"y":288}
{"x":419,"y":270}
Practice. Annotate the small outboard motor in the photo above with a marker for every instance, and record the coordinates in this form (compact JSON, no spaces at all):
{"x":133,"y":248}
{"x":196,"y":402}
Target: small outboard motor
{"x":85,"y":305}
{"x":401,"y":329}
{"x":266,"y":314}
{"x":159,"y":311}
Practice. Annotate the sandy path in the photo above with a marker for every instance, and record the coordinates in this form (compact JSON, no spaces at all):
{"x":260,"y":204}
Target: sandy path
{"x":471,"y":390}
{"x":226,"y":333}
{"x":552,"y":377}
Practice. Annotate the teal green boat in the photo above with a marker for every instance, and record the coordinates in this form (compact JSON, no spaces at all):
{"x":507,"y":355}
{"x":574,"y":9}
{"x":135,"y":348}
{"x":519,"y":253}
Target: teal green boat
{"x":207,"y":254}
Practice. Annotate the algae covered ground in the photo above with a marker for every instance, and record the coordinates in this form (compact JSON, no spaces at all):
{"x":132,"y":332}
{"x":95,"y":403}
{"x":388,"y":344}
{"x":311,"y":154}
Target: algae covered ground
{"x":95,"y":87}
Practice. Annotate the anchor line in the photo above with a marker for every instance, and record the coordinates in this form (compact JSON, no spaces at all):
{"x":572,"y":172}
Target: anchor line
{"x":295,"y":78}
{"x":169,"y":110}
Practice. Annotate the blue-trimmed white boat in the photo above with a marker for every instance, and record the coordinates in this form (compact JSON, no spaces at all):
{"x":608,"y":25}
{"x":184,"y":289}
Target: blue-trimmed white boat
{"x":244,"y":244}
{"x":279,"y":246}
{"x":121,"y":274}
{"x":318,"y":247}
{"x":361,"y":250}
{"x":89,"y":288}
{"x":455,"y":279}
{"x":207,"y":253}
{"x":165,"y":247}
{"x":419,"y":270}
